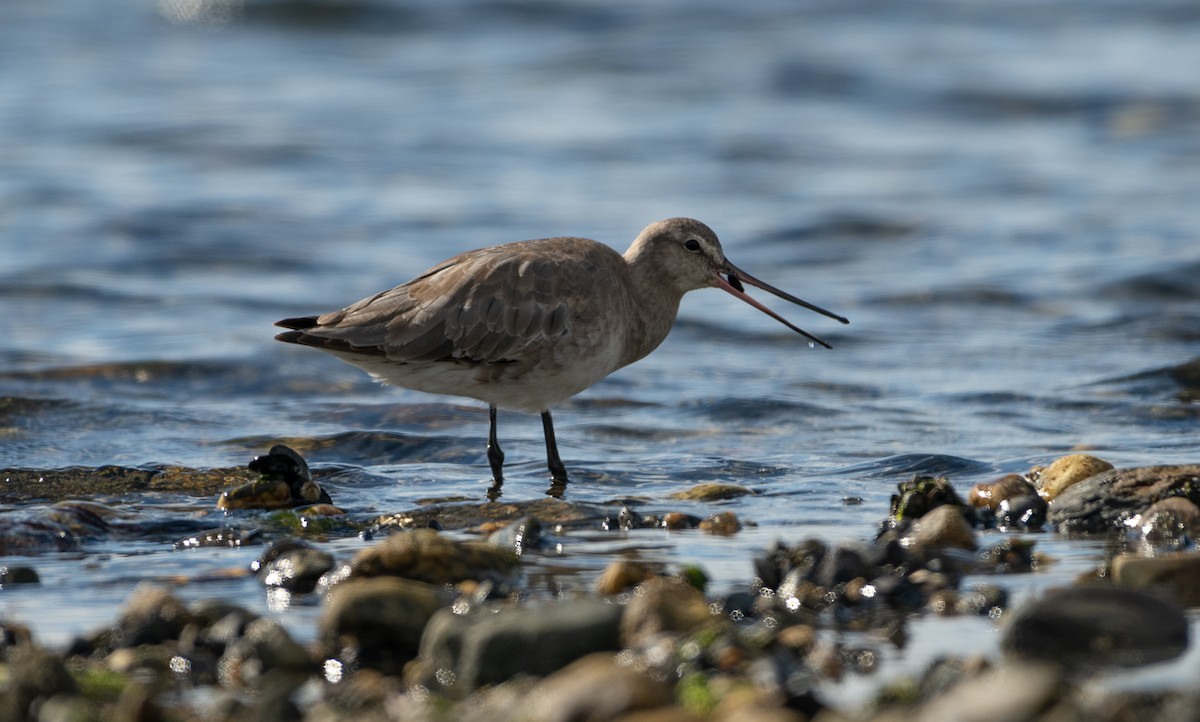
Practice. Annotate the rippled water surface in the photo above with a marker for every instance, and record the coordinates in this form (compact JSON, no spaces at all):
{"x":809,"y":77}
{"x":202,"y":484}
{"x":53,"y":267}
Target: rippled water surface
{"x":1002,"y":198}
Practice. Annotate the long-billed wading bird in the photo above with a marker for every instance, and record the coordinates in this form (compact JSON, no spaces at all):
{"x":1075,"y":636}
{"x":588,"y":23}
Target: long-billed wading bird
{"x":525,"y":325}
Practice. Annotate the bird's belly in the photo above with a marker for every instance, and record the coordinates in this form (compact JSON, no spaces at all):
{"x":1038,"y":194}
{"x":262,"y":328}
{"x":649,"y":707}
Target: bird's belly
{"x":517,"y":386}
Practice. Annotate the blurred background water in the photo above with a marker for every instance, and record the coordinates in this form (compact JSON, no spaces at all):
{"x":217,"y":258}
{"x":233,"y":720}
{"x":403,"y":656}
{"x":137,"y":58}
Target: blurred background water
{"x":1001,"y":196}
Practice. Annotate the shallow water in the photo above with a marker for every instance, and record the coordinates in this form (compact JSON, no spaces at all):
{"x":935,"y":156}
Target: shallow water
{"x":1000,"y":197}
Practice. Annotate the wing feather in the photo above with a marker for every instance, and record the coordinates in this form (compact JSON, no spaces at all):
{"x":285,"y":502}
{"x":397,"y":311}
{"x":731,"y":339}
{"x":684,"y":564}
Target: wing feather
{"x":487,"y":306}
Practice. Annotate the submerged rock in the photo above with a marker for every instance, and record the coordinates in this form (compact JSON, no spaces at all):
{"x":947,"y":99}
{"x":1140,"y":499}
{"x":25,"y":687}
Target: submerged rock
{"x":1103,"y":502}
{"x":711,"y":491}
{"x":1097,"y":624}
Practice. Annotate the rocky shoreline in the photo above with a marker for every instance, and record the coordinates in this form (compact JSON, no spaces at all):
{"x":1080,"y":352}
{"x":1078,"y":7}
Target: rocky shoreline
{"x":434,"y":619}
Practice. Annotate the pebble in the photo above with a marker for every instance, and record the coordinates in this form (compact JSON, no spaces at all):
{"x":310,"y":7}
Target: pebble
{"x":296,"y":568}
{"x":989,"y":494}
{"x":1013,"y":691}
{"x":723,"y":524}
{"x":1067,"y":471}
{"x":1103,"y":502}
{"x":711,"y":491}
{"x":427,"y":556}
{"x":265,"y":649}
{"x":943,"y":526}
{"x":922,"y":494}
{"x":595,"y":688}
{"x":1176,"y":573}
{"x":152,"y":615}
{"x":663,"y":604}
{"x":377,"y":622}
{"x":1097,"y":624}
{"x":625,"y":573}
{"x":462,"y":652}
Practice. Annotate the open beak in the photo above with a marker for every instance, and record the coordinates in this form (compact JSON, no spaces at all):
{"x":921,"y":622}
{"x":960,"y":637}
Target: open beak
{"x":732,"y":284}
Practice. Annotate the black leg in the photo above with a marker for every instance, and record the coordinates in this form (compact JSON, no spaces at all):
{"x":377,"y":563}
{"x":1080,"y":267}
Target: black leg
{"x":494,"y":453}
{"x":558,"y":472}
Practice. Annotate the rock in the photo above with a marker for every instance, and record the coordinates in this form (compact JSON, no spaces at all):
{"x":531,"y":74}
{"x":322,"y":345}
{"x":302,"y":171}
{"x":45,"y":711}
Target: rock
{"x":293,"y":566}
{"x":1170,"y":522}
{"x":677,"y":520}
{"x":723,"y":524}
{"x":989,"y":494}
{"x":917,"y":497}
{"x":1097,"y":624}
{"x":1102,"y":502}
{"x":1026,"y":512}
{"x":264,"y":649}
{"x":1067,"y":471}
{"x":943,"y":526}
{"x":426,"y":556}
{"x":462,"y":652}
{"x":711,"y":491}
{"x":1018,"y":690}
{"x":625,"y":573}
{"x":32,"y":674}
{"x":663,"y":604}
{"x":18,"y":574}
{"x":1177,"y":573}
{"x":593,"y":689}
{"x":841,"y":565}
{"x":152,"y":615}
{"x":519,"y":536}
{"x":377,"y":623}
{"x":284,"y":482}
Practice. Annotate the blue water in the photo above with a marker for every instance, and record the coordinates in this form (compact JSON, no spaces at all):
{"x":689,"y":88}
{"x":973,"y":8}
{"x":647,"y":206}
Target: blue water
{"x":1001,"y":197}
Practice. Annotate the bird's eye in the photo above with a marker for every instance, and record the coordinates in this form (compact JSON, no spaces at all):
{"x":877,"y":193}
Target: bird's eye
{"x":692,"y":245}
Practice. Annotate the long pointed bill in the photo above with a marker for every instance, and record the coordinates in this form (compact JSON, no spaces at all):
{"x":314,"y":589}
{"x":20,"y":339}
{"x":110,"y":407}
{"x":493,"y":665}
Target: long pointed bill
{"x":734,"y":287}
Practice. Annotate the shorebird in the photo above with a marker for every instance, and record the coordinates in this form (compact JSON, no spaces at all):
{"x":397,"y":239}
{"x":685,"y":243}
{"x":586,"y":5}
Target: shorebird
{"x":525,"y":325}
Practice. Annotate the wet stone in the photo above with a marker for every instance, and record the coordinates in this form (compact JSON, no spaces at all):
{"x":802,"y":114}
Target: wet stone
{"x":18,"y":574}
{"x":377,"y":623}
{"x":711,"y":491}
{"x":33,"y":675}
{"x":293,"y":566}
{"x":461,"y":652}
{"x":427,"y":556}
{"x":223,"y":537}
{"x":265,"y":650}
{"x":1097,"y":624}
{"x":1067,"y":471}
{"x":284,"y":482}
{"x":595,"y":687}
{"x":723,"y":524}
{"x":1012,"y":691}
{"x":1022,"y":513}
{"x":1103,"y":502}
{"x":518,"y":536}
{"x":1170,"y":522}
{"x":943,"y":526}
{"x":663,"y":604}
{"x":922,"y":494}
{"x":152,"y":615}
{"x":623,"y":574}
{"x":1177,"y":574}
{"x":990,"y":494}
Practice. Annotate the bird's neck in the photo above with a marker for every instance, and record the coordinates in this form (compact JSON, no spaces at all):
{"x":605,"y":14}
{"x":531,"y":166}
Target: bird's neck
{"x":655,"y":304}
